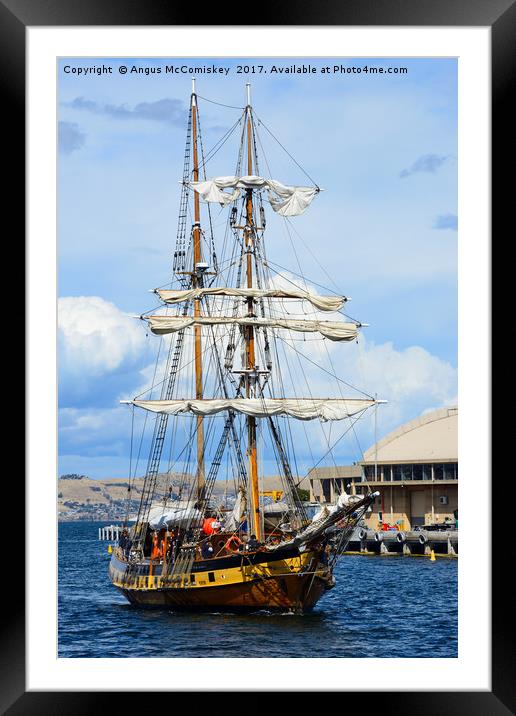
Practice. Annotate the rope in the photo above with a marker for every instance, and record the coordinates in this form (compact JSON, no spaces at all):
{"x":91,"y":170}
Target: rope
{"x":229,"y":106}
{"x":360,"y":416}
{"x":333,"y":375}
{"x":216,"y":147}
{"x":287,"y":152}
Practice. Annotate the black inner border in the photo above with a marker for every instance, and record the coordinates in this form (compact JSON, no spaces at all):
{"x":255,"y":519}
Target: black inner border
{"x":500,"y":16}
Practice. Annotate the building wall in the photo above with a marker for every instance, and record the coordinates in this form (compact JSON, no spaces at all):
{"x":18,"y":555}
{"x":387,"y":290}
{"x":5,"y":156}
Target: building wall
{"x":396,"y":504}
{"x":411,"y":467}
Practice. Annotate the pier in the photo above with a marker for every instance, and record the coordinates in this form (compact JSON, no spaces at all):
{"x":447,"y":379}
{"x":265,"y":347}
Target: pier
{"x":111,"y":533}
{"x":411,"y":543}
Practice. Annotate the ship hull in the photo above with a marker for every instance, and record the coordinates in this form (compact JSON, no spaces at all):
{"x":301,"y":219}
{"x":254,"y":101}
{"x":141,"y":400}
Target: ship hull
{"x":275,"y":595}
{"x":291,"y":582}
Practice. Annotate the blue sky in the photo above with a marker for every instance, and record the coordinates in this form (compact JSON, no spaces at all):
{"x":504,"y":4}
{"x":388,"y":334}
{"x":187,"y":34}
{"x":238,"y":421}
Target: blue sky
{"x":383,"y":148}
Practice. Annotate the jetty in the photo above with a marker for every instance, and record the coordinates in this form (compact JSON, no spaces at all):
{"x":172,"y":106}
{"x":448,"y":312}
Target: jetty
{"x":410,"y":543}
{"x":111,"y":533}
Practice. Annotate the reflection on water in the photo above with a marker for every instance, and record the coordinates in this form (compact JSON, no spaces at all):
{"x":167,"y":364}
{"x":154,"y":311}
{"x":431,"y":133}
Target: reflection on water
{"x":381,"y":607}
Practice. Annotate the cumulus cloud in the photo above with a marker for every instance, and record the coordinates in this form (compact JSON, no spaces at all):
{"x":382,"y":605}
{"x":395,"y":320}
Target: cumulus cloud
{"x":411,"y":378}
{"x":94,"y":431}
{"x":428,"y":163}
{"x":446,"y":221}
{"x":95,"y":335}
{"x":168,"y":111}
{"x":100,"y":342}
{"x":69,"y":137}
{"x":100,"y":350}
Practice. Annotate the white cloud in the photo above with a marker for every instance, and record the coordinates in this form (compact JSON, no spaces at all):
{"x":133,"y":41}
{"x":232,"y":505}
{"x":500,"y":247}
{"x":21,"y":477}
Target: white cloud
{"x":99,"y":338}
{"x":411,"y":380}
{"x":95,"y":336}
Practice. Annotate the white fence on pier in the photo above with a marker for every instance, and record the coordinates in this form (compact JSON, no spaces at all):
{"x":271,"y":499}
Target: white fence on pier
{"x":111,"y":533}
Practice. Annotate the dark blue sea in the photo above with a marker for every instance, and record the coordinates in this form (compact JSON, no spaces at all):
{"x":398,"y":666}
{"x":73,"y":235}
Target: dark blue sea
{"x":381,"y":607}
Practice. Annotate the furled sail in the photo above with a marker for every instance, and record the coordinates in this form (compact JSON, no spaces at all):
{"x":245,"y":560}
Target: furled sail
{"x":285,"y":200}
{"x":323,"y":303}
{"x":235,"y":519}
{"x":334,"y":330}
{"x":301,"y":408}
{"x":167,"y":516}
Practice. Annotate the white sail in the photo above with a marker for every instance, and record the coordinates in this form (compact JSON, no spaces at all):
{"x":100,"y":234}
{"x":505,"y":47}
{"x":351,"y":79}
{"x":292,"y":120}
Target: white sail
{"x":334,"y":330}
{"x":323,"y":303}
{"x":285,"y":200}
{"x":239,"y":511}
{"x":172,"y":516}
{"x":301,"y":408}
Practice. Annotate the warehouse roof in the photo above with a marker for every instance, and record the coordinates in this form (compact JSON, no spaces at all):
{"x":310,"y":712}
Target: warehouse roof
{"x":430,"y":438}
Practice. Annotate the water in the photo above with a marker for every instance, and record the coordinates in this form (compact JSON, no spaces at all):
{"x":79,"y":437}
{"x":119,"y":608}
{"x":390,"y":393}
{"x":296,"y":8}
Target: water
{"x":381,"y":607}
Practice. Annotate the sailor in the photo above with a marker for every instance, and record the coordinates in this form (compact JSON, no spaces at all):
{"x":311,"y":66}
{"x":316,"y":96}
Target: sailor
{"x":122,"y":542}
{"x":253,"y":545}
{"x":171,"y":551}
{"x":176,"y":544}
{"x":325,"y":552}
{"x":206,"y":550}
{"x":243,"y":545}
{"x":164,"y":543}
{"x":156,"y":552}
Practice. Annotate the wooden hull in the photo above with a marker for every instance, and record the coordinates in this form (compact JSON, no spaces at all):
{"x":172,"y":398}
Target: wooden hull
{"x":287,"y":581}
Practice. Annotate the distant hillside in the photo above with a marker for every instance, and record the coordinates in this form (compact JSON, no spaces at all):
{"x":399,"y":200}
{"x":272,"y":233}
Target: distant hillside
{"x":81,"y":498}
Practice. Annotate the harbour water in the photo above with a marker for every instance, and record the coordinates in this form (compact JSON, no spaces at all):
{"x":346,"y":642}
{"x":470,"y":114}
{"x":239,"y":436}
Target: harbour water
{"x":392,"y":607}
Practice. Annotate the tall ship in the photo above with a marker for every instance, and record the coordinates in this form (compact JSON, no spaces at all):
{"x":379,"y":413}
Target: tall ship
{"x":229,"y":396}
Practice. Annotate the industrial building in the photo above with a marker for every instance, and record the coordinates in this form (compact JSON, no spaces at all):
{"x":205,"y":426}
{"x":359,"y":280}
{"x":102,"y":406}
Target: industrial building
{"x":415,"y":469}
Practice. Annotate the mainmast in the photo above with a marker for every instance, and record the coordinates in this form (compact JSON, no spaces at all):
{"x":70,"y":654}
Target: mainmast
{"x":197,"y":282}
{"x":251,"y":375}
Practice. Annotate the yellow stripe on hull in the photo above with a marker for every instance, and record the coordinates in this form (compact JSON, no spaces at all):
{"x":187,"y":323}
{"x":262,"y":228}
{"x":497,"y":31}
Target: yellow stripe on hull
{"x":291,"y":583}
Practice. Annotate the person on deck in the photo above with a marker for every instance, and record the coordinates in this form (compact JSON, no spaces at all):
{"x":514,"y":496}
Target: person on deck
{"x":122,"y":542}
{"x":156,"y":552}
{"x":206,"y":550}
{"x":326,"y":552}
{"x":253,"y":545}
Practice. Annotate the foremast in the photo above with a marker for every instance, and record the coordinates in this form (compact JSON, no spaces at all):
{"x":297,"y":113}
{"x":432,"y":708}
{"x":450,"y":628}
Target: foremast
{"x":197,"y":282}
{"x":250,"y":374}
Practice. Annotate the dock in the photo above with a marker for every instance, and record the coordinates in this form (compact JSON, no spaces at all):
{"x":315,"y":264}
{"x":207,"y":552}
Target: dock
{"x":410,"y":543}
{"x":111,"y":533}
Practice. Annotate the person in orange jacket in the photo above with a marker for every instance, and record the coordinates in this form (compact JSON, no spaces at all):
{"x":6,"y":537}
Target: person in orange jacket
{"x":156,"y":552}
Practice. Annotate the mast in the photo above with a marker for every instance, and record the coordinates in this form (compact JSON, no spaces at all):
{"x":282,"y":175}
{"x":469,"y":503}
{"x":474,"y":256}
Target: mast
{"x":251,"y":375}
{"x":197,"y":282}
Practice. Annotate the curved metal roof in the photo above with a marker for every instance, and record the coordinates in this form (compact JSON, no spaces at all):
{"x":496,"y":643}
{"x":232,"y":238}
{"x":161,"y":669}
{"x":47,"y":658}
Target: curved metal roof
{"x":430,"y":438}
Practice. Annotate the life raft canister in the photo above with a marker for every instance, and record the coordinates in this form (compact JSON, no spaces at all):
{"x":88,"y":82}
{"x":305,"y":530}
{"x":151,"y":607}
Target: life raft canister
{"x":210,"y":526}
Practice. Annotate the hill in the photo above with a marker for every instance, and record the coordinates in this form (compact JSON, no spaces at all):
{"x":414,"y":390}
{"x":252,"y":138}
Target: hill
{"x":81,"y":498}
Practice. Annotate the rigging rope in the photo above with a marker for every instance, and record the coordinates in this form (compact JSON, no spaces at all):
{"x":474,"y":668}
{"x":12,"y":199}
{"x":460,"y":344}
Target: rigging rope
{"x":229,"y":106}
{"x":287,"y":152}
